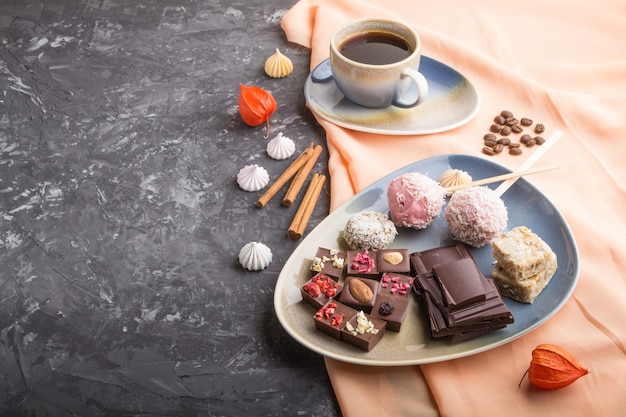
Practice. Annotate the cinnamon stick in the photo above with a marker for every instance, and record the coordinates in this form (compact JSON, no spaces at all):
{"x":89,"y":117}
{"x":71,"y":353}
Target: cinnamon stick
{"x":297,"y":218}
{"x":301,"y":176}
{"x":285,"y":176}
{"x":305,"y":210}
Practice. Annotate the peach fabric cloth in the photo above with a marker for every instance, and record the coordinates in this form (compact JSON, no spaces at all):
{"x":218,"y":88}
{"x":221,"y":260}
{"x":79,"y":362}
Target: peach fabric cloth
{"x":562,"y":63}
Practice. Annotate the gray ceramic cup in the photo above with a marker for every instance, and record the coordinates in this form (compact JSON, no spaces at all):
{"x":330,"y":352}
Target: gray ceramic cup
{"x":378,"y":85}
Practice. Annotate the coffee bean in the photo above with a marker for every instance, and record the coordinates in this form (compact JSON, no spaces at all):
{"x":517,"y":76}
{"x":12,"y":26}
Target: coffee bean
{"x":505,"y":124}
{"x":510,"y":121}
{"x":499,"y":120}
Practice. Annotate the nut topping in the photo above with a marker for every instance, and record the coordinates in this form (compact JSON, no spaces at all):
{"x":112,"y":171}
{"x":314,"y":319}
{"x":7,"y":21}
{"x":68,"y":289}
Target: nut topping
{"x":360,"y":291}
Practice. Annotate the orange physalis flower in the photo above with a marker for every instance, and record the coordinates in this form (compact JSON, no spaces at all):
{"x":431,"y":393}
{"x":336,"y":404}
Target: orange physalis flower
{"x":256,"y":105}
{"x":552,"y":367}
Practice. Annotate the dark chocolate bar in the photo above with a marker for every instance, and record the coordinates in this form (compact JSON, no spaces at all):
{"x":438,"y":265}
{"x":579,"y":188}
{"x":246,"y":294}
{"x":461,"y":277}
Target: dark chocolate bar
{"x":439,"y":327}
{"x":460,"y":301}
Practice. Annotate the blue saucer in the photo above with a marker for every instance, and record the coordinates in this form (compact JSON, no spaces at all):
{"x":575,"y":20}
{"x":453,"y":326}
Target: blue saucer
{"x":452,"y":101}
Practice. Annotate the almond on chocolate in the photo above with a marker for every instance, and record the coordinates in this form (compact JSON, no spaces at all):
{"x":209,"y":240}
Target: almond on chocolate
{"x":360,"y":291}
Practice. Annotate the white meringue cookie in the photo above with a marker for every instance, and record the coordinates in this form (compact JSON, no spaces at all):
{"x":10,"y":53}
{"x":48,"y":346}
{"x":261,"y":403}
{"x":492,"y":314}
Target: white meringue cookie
{"x":281,"y":147}
{"x":252,"y":178}
{"x":255,"y":256}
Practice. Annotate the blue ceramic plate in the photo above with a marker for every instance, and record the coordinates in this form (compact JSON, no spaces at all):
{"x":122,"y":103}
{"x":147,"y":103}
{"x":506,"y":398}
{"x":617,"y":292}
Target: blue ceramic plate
{"x":452,"y":101}
{"x":413,"y":344}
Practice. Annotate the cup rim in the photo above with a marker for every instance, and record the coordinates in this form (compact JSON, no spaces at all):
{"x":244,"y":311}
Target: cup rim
{"x":407,"y":26}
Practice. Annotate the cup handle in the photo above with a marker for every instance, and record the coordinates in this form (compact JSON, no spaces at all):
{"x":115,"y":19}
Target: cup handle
{"x":322,"y":72}
{"x":422,"y":89}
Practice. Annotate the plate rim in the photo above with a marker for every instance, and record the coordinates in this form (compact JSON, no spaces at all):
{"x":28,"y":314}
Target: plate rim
{"x":418,"y":361}
{"x":394,"y":132}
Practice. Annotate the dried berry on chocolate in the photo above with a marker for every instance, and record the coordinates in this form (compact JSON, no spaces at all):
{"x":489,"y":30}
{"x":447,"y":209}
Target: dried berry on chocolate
{"x":386,"y":308}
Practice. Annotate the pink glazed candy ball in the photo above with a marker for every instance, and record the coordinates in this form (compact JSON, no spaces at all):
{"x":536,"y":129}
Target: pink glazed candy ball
{"x":415,"y":200}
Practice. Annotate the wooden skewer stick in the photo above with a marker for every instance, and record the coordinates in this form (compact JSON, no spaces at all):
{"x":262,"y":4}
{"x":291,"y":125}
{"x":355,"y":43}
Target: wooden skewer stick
{"x":510,"y":175}
{"x":308,"y":203}
{"x":301,"y":176}
{"x":285,"y":176}
{"x":552,"y":140}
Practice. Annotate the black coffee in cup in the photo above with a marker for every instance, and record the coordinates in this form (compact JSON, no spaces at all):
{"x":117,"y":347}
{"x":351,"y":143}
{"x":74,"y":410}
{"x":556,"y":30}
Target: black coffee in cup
{"x":375,"y":48}
{"x":374,"y":63}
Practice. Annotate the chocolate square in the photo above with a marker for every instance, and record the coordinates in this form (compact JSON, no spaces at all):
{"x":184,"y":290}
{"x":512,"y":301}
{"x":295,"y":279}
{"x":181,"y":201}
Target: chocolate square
{"x":491,"y":309}
{"x":365,"y":340}
{"x":395,"y":284}
{"x":348,"y":295}
{"x":320,"y":289}
{"x":460,"y":282}
{"x":394,"y":260}
{"x":332,"y":318}
{"x":329,"y":261}
{"x":362,"y":263}
{"x":423,"y":262}
{"x":395,"y":318}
